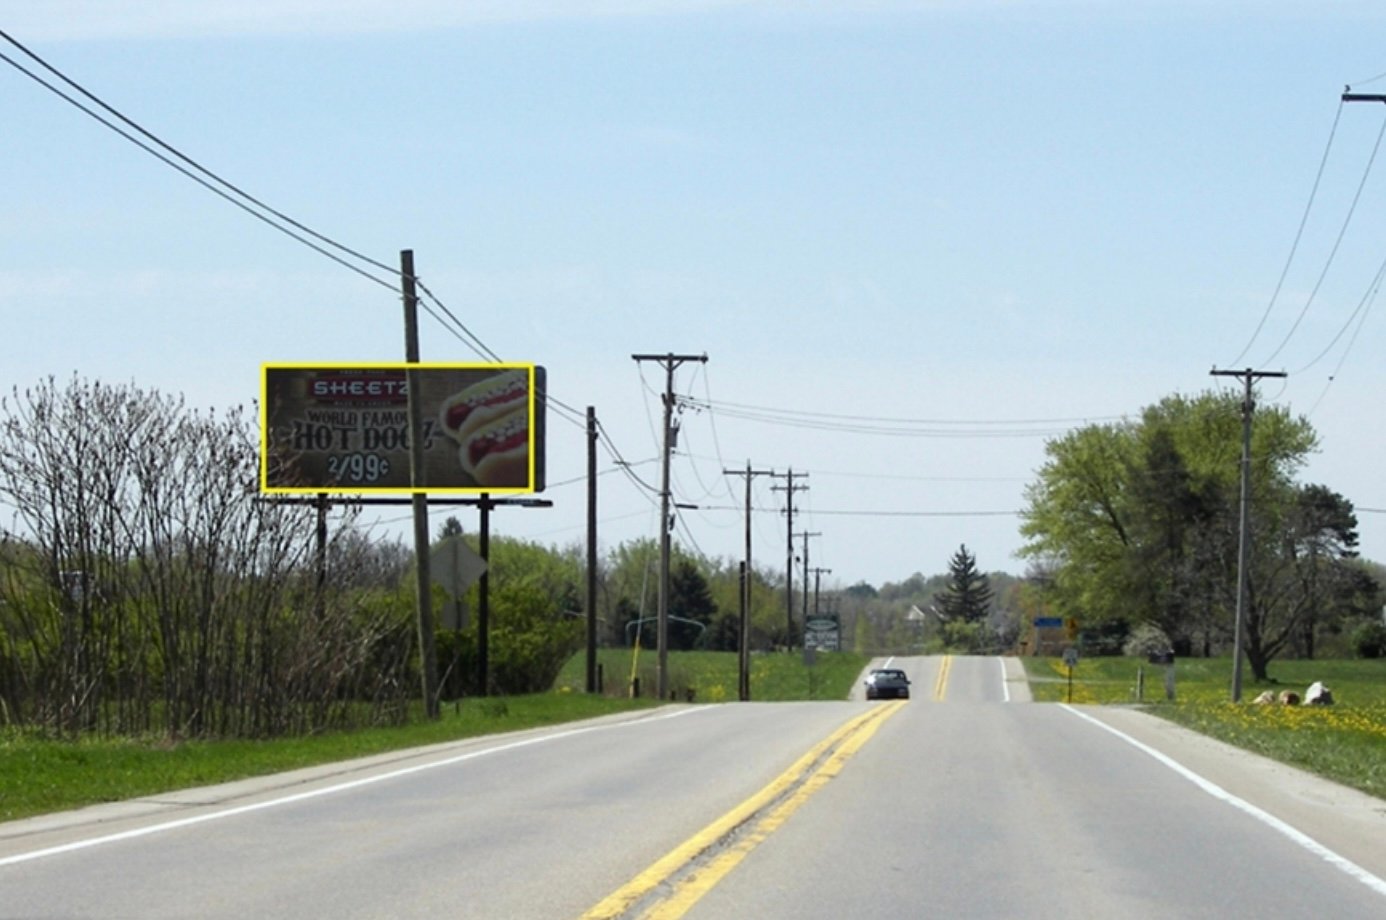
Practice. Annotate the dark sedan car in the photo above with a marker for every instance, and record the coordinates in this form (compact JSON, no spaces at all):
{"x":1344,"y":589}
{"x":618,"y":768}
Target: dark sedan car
{"x":887,"y":682}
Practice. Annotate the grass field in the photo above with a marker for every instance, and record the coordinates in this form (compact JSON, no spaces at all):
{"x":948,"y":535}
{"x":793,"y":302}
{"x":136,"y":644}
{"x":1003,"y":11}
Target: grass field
{"x":1345,"y":742}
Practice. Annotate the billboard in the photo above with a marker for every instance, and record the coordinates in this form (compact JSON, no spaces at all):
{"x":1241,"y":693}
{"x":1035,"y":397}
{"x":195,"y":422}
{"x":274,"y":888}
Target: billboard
{"x":345,"y":428}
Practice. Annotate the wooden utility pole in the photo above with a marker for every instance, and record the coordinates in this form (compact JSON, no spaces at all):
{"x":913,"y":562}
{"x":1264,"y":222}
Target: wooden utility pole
{"x":592,"y":550}
{"x":422,"y":585}
{"x":817,"y":573}
{"x":744,"y":646}
{"x":789,"y":488}
{"x":668,"y":362}
{"x":1249,"y":377}
{"x":806,"y":534}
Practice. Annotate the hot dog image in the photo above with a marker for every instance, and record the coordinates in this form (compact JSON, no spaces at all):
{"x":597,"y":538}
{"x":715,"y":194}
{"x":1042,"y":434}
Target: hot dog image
{"x":497,"y":452}
{"x":490,"y":422}
{"x":465,"y":411}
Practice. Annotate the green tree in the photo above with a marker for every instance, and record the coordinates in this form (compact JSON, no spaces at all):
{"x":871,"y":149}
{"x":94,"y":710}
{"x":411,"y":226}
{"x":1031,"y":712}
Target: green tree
{"x":1306,"y":580}
{"x":690,"y":600}
{"x":967,"y":598}
{"x":1137,"y":522}
{"x":452,"y":527}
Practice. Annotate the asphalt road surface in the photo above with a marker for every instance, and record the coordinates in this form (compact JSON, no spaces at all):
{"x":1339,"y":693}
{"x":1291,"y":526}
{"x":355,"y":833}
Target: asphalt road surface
{"x":966,"y":801}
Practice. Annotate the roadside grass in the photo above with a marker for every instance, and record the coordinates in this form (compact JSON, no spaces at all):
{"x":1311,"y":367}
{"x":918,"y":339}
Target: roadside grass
{"x":40,"y":775}
{"x":712,"y":676}
{"x":1345,"y":742}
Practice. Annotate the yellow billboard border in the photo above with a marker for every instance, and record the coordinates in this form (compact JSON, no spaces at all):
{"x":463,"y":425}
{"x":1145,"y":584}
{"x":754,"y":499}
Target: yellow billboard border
{"x":266,"y":489}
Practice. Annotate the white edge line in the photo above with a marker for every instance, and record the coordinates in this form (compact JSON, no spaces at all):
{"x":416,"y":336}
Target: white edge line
{"x":327,"y":790}
{"x":1297,"y":836}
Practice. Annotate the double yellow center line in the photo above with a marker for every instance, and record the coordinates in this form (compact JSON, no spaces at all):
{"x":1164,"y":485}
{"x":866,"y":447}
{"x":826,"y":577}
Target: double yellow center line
{"x":941,"y":684}
{"x":691,"y":869}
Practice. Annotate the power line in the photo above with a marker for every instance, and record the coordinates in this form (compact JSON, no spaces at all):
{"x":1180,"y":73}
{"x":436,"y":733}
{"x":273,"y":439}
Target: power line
{"x":867,"y":512}
{"x":233,"y":194}
{"x":1299,"y":233}
{"x":1358,"y":316}
{"x":390,"y":284}
{"x":770,"y":411}
{"x":1332,"y":254}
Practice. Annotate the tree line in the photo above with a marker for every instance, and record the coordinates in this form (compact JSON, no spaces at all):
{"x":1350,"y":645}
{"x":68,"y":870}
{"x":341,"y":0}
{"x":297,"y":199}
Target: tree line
{"x":146,"y":588}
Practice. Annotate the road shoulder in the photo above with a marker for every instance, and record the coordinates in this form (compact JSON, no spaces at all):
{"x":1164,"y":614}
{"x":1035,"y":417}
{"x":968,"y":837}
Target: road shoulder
{"x":1346,"y":821}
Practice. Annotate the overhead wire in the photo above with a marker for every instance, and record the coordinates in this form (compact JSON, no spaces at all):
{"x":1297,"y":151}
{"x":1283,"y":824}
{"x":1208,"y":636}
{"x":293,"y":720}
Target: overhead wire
{"x":893,"y":427}
{"x":1364,"y":305}
{"x":1342,"y":231}
{"x":272,"y":217}
{"x":868,"y":512}
{"x":168,"y":161}
{"x":1369,"y":299}
{"x":719,"y":487}
{"x":1299,"y":234}
{"x":235,"y":195}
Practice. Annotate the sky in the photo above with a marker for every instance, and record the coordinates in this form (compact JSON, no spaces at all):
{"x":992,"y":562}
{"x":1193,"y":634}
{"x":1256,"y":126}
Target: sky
{"x":976,"y":224}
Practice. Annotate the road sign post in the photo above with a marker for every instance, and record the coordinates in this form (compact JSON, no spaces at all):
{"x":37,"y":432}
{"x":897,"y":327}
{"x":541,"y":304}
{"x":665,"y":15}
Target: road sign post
{"x":1070,"y":660}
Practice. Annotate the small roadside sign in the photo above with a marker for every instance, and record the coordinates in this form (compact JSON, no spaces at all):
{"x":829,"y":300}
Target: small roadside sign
{"x":1049,"y":622}
{"x":455,"y":565}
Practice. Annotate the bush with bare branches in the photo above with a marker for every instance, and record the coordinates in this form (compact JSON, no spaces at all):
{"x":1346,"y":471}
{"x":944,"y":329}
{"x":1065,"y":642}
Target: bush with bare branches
{"x":145,"y":587}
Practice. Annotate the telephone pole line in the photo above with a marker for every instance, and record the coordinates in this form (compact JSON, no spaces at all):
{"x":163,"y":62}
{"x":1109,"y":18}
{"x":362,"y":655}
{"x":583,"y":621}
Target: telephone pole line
{"x":744,"y":644}
{"x":806,"y":534}
{"x":789,"y":488}
{"x":669,"y":362}
{"x":1249,"y":377}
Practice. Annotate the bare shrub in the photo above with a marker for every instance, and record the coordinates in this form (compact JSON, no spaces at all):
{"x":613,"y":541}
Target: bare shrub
{"x":145,"y":587}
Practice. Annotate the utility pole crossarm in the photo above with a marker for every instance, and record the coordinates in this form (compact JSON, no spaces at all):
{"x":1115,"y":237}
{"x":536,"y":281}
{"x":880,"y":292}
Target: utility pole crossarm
{"x":1363,"y":97}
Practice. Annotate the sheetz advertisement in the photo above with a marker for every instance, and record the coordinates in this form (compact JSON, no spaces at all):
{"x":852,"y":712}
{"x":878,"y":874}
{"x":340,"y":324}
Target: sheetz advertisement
{"x":346,"y":428}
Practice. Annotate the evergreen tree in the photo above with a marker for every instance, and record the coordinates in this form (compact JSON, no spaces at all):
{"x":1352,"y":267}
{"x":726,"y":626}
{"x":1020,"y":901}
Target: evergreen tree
{"x":452,"y":527}
{"x":968,"y":595}
{"x":690,"y":599}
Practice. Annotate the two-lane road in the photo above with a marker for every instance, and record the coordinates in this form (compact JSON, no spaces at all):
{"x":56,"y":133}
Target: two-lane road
{"x":964,"y":802}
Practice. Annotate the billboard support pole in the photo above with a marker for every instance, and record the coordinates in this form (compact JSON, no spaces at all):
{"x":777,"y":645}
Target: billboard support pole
{"x":483,"y":601}
{"x":423,"y":588}
{"x":320,"y":555}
